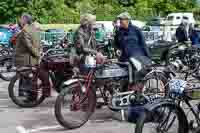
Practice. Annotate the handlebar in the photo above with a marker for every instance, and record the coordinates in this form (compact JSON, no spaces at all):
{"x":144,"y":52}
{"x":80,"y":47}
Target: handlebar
{"x":48,"y":52}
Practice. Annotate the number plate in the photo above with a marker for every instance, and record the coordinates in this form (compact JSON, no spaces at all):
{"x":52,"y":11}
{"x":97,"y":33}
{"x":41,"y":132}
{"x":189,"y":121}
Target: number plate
{"x":177,"y":86}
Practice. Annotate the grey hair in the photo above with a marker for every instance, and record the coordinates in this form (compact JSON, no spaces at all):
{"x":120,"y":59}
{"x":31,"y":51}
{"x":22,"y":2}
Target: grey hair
{"x":28,"y":18}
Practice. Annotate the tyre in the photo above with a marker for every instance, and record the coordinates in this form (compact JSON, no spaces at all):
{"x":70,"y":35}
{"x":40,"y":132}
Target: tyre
{"x":8,"y":70}
{"x":73,"y":107}
{"x":23,"y":101}
{"x":163,"y":119}
{"x":197,"y":130}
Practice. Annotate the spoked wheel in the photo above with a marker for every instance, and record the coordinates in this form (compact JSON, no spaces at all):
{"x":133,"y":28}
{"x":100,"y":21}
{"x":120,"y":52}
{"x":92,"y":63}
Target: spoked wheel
{"x":156,"y":83}
{"x":5,"y":52}
{"x":22,"y":93}
{"x":163,"y":119}
{"x":7,"y":69}
{"x":73,"y":107}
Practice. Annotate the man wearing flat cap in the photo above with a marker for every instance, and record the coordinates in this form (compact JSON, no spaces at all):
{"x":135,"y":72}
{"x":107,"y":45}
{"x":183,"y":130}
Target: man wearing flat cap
{"x":130,"y":41}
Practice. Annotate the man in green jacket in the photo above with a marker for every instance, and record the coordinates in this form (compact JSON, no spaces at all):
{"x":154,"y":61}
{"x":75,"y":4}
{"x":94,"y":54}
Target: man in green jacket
{"x":27,"y":43}
{"x":27,"y":51}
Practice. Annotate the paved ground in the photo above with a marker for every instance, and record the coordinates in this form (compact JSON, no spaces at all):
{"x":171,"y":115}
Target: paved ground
{"x":41,"y":119}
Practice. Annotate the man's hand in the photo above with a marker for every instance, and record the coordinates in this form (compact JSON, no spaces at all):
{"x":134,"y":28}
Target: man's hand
{"x":100,"y":58}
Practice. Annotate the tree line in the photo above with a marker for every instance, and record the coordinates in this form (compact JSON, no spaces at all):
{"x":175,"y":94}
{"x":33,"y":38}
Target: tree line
{"x":69,"y":11}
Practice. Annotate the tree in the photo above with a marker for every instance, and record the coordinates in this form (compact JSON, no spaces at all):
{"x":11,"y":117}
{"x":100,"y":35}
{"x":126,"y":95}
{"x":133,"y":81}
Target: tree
{"x":11,"y":9}
{"x":68,"y":11}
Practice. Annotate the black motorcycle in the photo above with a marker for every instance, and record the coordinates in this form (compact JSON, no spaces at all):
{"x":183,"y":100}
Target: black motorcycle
{"x":108,"y":81}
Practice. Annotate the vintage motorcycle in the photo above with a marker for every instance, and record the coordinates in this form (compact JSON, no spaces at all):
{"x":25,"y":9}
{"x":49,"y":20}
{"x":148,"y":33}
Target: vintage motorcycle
{"x":169,"y":114}
{"x":56,"y":64}
{"x":78,"y":98}
{"x":182,"y":55}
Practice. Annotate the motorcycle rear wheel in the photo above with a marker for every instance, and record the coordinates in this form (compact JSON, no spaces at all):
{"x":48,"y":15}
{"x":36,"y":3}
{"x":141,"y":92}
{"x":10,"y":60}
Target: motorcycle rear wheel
{"x":16,"y":99}
{"x":161,"y":87}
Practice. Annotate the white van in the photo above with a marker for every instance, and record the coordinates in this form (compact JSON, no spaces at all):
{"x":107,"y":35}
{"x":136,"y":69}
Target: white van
{"x":175,"y":19}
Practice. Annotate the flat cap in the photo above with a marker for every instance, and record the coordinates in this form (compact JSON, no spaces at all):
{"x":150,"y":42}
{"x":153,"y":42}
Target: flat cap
{"x":124,"y":15}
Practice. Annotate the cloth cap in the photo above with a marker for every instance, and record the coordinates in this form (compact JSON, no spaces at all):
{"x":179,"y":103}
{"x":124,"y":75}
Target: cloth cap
{"x":124,"y":15}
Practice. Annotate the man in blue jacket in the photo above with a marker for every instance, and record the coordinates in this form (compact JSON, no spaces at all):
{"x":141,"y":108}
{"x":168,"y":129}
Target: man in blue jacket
{"x":130,"y":40}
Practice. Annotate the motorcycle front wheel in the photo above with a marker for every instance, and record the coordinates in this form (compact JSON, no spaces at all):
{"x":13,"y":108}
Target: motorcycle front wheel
{"x":73,"y":107}
{"x":163,"y":119}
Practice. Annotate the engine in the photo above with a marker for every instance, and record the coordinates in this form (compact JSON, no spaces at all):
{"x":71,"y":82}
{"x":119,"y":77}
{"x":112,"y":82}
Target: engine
{"x":113,"y":71}
{"x":177,"y":65}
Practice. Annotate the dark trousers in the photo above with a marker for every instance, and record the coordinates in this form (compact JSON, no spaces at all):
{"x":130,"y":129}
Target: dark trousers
{"x":25,"y":87}
{"x":44,"y":77}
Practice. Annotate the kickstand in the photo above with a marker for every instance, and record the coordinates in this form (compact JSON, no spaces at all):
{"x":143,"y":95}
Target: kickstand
{"x":122,"y":115}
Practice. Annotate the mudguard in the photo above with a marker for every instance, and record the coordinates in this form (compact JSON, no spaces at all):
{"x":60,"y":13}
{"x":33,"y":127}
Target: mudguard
{"x":65,"y":85}
{"x":150,"y":107}
{"x":166,"y":73}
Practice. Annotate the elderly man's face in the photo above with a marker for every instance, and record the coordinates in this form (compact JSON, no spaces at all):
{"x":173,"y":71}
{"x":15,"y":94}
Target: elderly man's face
{"x":124,"y":23}
{"x":22,"y":22}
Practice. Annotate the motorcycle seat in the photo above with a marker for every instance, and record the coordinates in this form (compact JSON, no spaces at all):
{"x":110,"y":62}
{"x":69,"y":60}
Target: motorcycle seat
{"x":123,"y":64}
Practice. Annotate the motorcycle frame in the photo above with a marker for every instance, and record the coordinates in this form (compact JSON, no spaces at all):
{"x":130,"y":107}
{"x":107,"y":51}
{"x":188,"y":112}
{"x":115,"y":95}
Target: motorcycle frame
{"x":51,"y":77}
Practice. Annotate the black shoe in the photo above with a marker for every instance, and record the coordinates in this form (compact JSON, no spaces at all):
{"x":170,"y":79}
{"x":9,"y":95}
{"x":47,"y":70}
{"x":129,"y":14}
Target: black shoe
{"x":22,"y":92}
{"x":30,"y":99}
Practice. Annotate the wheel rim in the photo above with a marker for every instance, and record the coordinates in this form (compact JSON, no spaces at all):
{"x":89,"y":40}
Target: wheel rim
{"x":24,"y":93}
{"x":75,"y":107}
{"x":155,"y":86}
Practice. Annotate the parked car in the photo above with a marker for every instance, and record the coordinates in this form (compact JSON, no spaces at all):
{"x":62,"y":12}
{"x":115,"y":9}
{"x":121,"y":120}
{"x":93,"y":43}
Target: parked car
{"x":5,"y":36}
